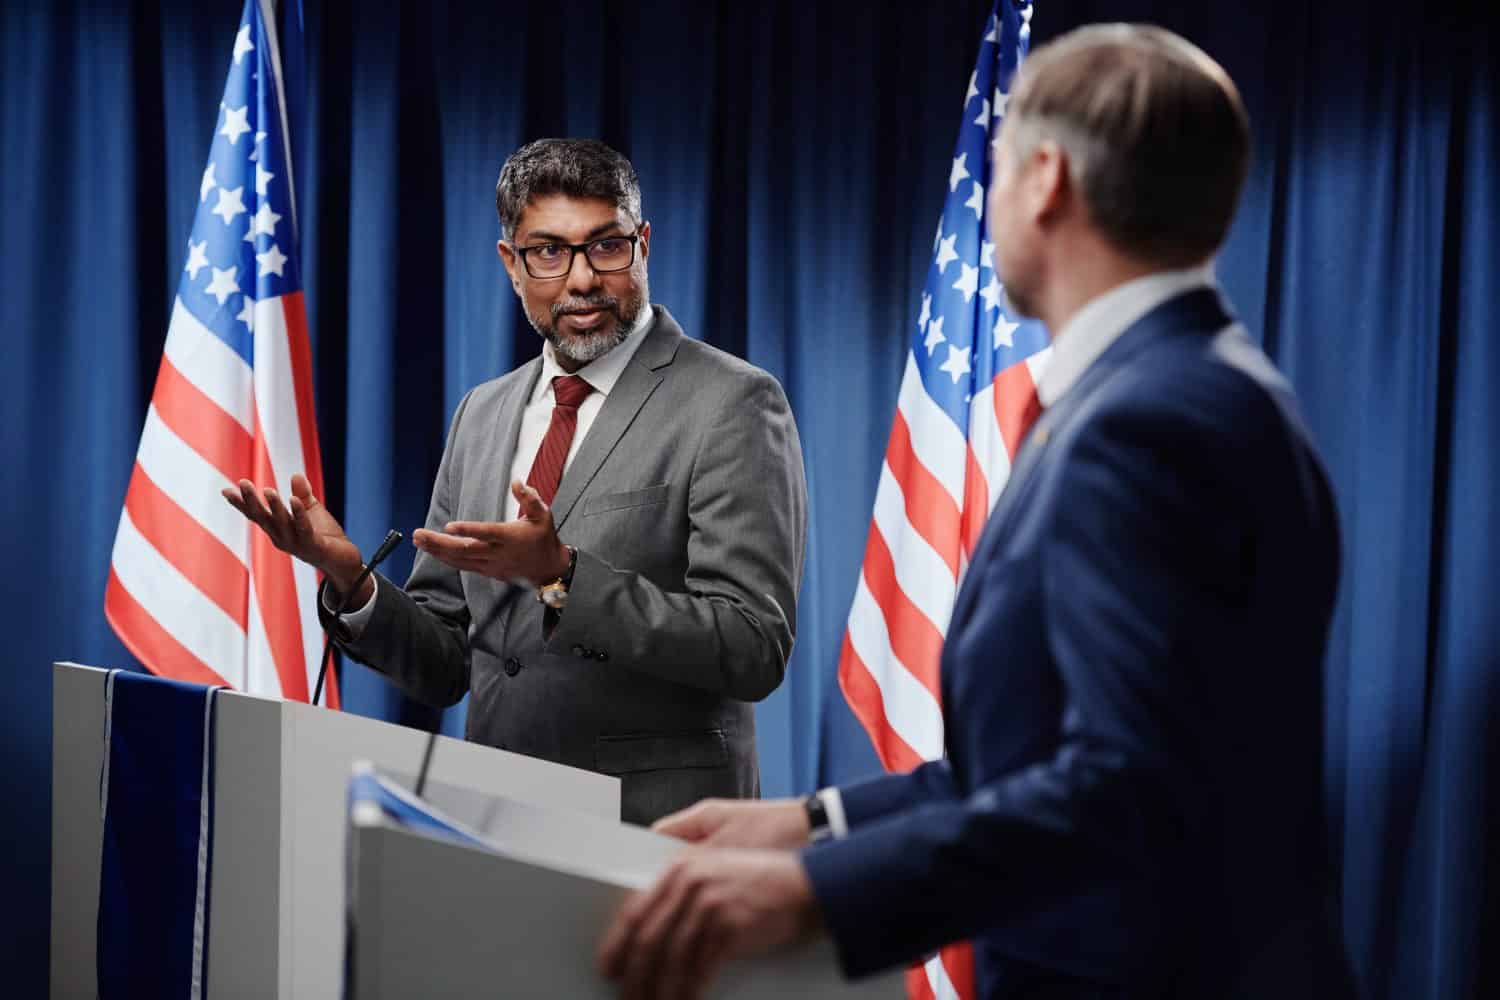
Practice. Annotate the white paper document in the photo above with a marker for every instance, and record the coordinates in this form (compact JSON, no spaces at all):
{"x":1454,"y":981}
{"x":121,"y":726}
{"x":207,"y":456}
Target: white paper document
{"x":513,"y":902}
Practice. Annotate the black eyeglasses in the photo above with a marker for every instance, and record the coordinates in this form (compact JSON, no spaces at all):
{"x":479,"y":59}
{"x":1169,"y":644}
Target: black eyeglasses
{"x":554,"y":260}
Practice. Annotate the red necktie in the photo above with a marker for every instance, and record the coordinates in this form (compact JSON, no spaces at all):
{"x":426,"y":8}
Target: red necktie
{"x":569,"y":391}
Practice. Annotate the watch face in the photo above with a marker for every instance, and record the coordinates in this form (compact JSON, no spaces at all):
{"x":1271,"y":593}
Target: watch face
{"x":554,"y":596}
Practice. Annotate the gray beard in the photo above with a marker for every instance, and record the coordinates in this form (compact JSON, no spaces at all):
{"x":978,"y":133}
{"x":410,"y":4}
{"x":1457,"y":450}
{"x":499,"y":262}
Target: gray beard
{"x":592,"y":346}
{"x":586,"y":348}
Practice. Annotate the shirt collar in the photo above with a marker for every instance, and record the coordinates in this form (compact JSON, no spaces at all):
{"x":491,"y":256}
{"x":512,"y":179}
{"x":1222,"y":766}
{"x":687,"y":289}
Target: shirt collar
{"x":603,"y":372}
{"x":1103,"y":319}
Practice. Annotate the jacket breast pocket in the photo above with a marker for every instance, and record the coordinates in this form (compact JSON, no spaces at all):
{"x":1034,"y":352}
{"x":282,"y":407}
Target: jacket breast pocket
{"x":625,"y":501}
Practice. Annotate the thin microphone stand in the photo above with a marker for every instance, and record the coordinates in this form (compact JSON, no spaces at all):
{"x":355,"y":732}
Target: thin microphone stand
{"x":392,"y":537}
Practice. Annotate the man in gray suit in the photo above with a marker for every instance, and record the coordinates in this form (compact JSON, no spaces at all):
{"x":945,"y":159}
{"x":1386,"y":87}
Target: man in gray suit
{"x":621,"y":602}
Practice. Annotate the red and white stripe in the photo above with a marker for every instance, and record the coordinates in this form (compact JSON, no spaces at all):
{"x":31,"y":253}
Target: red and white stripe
{"x":193,"y":591}
{"x":937,"y":487}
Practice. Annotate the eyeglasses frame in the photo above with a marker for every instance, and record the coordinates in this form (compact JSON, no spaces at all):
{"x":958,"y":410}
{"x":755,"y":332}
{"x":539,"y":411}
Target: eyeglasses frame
{"x":573,"y":250}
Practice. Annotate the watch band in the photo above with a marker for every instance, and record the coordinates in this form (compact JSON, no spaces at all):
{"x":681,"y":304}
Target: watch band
{"x":555,"y":594}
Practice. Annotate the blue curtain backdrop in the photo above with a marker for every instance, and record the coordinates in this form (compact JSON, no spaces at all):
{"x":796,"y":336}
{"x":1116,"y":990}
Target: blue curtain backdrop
{"x":793,"y":158}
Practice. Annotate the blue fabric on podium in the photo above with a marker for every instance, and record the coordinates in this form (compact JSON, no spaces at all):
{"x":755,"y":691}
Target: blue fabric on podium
{"x":157,"y":793}
{"x":404,"y":809}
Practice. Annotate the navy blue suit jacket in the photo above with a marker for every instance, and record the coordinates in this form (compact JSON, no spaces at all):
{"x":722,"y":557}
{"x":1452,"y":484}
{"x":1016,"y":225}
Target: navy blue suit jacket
{"x":1132,"y":689}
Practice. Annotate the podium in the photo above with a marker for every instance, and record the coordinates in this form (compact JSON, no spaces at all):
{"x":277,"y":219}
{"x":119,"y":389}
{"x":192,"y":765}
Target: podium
{"x":280,"y":804}
{"x":514,"y":901}
{"x":514,"y":910}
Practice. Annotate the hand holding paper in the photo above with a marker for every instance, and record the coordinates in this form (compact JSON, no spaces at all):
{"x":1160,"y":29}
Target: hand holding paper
{"x":735,"y":823}
{"x":712,"y":905}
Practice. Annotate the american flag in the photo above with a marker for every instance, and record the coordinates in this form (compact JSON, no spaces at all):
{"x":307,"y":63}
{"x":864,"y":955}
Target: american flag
{"x":965,"y":399}
{"x":193,"y":592}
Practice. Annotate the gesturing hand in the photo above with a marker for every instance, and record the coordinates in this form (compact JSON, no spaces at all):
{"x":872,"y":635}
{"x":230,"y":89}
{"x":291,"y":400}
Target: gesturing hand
{"x":302,"y":527}
{"x":733,"y":823}
{"x":524,"y":549}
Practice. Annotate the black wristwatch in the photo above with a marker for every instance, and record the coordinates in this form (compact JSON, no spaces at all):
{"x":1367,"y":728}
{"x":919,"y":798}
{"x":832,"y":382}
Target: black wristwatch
{"x":817,"y":819}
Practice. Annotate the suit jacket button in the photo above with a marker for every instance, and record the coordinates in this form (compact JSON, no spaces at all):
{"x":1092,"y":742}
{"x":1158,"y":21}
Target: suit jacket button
{"x":603,"y":656}
{"x":512,"y":666}
{"x":577,"y":650}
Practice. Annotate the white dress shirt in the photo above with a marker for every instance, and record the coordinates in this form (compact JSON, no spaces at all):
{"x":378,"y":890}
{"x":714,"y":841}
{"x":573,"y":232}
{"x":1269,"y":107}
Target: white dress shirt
{"x":1103,"y":319}
{"x":602,"y":373}
{"x":1081,"y":341}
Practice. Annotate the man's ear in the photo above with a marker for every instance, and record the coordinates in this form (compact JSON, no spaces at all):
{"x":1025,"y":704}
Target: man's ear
{"x":511,"y":261}
{"x":645,"y":232}
{"x":1049,"y":187}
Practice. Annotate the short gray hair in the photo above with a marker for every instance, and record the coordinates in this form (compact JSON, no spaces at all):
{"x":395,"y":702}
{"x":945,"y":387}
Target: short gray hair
{"x":1157,"y":139}
{"x":578,"y":168}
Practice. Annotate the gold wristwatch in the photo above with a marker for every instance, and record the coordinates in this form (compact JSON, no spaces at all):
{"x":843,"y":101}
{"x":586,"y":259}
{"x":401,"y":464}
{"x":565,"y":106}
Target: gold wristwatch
{"x":555,"y":594}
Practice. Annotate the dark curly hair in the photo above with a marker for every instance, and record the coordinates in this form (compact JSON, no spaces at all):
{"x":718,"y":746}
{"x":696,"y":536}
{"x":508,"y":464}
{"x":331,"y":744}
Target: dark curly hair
{"x":578,"y":168}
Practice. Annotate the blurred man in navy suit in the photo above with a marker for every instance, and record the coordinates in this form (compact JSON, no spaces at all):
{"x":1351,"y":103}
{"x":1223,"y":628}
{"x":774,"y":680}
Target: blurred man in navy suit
{"x":1130,"y":805}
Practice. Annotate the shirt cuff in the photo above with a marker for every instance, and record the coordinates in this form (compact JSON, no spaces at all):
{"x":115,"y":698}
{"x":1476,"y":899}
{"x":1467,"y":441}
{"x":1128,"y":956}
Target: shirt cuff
{"x":833,"y":807}
{"x":356,"y":620}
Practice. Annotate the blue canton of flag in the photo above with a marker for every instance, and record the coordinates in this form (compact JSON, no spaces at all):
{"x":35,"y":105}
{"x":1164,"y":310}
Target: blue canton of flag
{"x":242,"y":245}
{"x":964,"y":334}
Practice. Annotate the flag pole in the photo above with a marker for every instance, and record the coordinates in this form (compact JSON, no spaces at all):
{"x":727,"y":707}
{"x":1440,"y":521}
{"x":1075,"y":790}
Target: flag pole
{"x":268,"y":18}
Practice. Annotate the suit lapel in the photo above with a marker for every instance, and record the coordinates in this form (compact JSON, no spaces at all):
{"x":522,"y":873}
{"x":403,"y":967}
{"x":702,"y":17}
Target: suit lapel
{"x":636,"y":384}
{"x":1200,"y":310}
{"x":1032,"y":447}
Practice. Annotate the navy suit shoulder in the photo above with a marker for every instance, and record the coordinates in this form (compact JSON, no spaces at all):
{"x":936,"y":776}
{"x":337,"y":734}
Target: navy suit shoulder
{"x":1212,"y":402}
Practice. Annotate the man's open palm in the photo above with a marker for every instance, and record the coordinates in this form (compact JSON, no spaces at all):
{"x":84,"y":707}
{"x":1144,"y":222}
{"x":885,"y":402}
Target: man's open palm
{"x":301,"y":527}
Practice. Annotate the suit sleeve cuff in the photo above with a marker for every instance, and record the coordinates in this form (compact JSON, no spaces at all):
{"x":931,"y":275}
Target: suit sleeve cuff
{"x":572,"y":632}
{"x":355,"y":621}
{"x":874,"y":798}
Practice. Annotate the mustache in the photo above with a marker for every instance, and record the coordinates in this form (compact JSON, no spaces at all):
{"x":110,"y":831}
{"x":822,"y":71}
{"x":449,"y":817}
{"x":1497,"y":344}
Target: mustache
{"x":587,"y":304}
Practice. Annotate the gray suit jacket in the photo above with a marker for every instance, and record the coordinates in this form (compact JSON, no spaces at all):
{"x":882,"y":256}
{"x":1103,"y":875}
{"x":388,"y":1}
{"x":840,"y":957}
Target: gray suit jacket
{"x":688,"y":508}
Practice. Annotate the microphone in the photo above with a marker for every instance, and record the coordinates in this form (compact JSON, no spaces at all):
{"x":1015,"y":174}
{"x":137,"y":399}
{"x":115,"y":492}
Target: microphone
{"x":392,"y":539}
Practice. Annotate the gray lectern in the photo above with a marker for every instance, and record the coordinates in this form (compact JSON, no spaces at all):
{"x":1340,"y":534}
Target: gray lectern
{"x":277,"y":895}
{"x":512,"y":899}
